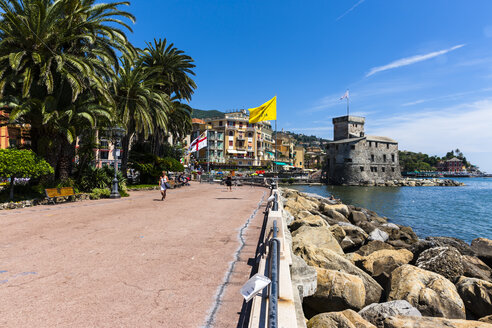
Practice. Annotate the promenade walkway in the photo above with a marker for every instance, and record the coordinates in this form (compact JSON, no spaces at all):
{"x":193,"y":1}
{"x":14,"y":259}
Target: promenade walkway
{"x":133,"y":262}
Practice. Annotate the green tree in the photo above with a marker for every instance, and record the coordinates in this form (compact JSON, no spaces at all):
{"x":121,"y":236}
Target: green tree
{"x":56,"y":61}
{"x":16,"y":163}
{"x":140,"y":106}
{"x":174,"y":70}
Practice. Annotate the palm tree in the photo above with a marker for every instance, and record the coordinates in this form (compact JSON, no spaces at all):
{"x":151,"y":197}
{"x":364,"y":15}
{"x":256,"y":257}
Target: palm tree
{"x":140,"y":106}
{"x":173,"y":69}
{"x":56,"y":61}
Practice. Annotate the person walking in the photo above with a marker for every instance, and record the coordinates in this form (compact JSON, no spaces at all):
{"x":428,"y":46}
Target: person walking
{"x":163,"y":183}
{"x":229,"y":182}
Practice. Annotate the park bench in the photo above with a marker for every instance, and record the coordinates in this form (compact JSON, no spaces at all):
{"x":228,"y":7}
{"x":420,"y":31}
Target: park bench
{"x":53,"y":193}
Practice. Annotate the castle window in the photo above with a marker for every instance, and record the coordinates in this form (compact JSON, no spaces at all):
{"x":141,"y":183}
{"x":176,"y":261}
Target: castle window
{"x":392,"y":157}
{"x":348,"y":160}
{"x":384,"y":158}
{"x":382,"y":169}
{"x":387,"y":146}
{"x":336,"y":147}
{"x":352,"y":147}
{"x":362,"y":168}
{"x":376,"y":145}
{"x":370,"y":143}
{"x":374,"y":169}
{"x":392,"y":169}
{"x":372,"y":158}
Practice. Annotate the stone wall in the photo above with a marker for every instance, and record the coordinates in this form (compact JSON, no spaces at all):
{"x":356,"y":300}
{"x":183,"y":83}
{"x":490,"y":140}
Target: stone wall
{"x":362,"y":160}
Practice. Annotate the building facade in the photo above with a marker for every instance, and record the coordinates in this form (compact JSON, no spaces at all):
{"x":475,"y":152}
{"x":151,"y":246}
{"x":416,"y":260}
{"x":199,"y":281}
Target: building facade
{"x":233,"y":141}
{"x":451,"y":165}
{"x":13,"y":135}
{"x":354,"y":158}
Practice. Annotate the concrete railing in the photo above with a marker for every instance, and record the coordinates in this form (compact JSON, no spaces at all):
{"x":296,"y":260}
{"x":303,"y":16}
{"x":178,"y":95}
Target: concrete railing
{"x":286,"y":310}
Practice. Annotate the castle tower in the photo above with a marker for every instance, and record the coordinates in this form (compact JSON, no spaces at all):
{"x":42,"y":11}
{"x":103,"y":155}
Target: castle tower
{"x":346,"y":127}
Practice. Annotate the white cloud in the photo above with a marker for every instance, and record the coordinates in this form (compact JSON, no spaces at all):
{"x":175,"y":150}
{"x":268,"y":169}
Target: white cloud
{"x":411,"y":60}
{"x":351,"y":8}
{"x":452,"y":96}
{"x":435,"y":132}
{"x":364,"y":93}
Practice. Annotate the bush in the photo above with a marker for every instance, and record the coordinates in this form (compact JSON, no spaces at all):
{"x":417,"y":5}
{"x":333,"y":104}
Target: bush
{"x":151,"y":169}
{"x":15,"y":163}
{"x":91,"y":178}
{"x":98,"y":193}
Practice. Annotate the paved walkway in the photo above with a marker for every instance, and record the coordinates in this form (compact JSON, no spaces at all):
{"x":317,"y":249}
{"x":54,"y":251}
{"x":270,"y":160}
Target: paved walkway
{"x":134,"y":262}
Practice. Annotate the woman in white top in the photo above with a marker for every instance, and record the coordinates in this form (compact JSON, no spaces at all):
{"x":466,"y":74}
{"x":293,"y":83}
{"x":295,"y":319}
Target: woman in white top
{"x":162,"y":183}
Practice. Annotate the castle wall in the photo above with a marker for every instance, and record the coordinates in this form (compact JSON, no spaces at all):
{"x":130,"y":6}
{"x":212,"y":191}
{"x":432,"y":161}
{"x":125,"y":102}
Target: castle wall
{"x":362,"y":161}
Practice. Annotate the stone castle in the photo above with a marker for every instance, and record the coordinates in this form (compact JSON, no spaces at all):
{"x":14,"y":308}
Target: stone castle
{"x":355,"y":159}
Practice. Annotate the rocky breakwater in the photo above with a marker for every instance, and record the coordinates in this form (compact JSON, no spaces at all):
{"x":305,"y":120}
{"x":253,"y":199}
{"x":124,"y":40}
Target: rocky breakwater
{"x":373,"y":273}
{"x":412,"y":182}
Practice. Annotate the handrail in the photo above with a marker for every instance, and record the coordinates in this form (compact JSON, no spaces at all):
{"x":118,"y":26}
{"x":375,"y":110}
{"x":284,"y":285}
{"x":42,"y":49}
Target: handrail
{"x":274,"y":255}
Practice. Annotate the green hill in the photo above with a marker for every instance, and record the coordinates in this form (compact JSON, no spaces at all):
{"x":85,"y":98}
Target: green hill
{"x":201,"y":114}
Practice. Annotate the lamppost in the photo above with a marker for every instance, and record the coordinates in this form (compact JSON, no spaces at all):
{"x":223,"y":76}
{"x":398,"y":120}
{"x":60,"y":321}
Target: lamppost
{"x":117,"y":132}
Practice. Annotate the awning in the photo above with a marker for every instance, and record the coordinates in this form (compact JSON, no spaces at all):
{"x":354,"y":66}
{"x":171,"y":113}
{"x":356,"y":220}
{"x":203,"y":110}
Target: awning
{"x":279,"y":163}
{"x":269,"y":152}
{"x":233,"y":151}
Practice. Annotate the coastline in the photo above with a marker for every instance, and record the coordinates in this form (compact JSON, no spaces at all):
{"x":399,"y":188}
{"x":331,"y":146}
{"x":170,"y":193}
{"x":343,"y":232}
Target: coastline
{"x":386,"y":257}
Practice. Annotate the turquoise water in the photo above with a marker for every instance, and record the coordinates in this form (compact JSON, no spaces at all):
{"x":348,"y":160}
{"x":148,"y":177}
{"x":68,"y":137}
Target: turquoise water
{"x":462,"y":212}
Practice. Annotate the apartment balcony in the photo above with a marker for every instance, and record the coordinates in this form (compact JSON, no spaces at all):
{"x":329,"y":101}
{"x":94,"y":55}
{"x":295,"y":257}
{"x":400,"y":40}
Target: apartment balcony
{"x":240,"y":137}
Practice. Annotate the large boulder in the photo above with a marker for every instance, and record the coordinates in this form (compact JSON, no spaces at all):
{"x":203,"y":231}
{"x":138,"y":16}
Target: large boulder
{"x":307,"y":204}
{"x":462,"y":247}
{"x":476,"y":268}
{"x":483,"y":249}
{"x":354,"y":237}
{"x":429,"y":292}
{"x":398,"y":257}
{"x":304,"y":277}
{"x":339,"y":208}
{"x":429,"y":322}
{"x":376,"y":313}
{"x":338,"y":233}
{"x":319,"y":237}
{"x":327,"y":259}
{"x":445,"y":261}
{"x":293,"y":207}
{"x":477,"y":295}
{"x":487,"y":319}
{"x":331,"y":211}
{"x":372,"y":246}
{"x":357,"y":217}
{"x":311,"y":220}
{"x":418,"y":247}
{"x":343,"y":319}
{"x":336,"y":291}
{"x":378,"y":234}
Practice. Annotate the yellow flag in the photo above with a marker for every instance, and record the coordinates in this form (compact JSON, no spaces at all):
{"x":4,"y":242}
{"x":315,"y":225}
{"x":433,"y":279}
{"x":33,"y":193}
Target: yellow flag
{"x":266,"y":112}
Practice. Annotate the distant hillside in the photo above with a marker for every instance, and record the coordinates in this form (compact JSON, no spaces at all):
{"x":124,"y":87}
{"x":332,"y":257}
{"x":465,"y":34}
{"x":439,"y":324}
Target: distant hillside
{"x":201,"y":114}
{"x":307,"y":140}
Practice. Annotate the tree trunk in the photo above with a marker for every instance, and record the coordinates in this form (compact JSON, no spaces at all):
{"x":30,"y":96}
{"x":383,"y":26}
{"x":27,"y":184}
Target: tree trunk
{"x":125,"y":146}
{"x":12,"y":179}
{"x":65,"y":159}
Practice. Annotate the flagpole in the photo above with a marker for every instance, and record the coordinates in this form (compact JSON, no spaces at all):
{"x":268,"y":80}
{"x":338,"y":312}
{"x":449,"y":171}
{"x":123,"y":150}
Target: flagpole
{"x":208,"y":154}
{"x":276,"y":146}
{"x":348,"y":103}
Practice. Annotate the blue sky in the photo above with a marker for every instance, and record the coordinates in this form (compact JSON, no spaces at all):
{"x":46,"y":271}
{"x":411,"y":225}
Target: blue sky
{"x":419,"y":71}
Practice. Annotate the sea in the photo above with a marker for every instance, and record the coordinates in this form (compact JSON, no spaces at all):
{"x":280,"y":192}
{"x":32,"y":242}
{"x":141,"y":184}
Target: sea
{"x":463,"y":212}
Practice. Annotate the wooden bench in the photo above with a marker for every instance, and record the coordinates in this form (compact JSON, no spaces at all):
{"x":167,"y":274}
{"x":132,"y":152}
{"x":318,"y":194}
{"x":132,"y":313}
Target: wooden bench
{"x":53,"y":193}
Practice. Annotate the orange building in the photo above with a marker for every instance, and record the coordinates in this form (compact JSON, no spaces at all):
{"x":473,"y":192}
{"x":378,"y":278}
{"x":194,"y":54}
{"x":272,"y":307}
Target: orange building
{"x":11,"y":134}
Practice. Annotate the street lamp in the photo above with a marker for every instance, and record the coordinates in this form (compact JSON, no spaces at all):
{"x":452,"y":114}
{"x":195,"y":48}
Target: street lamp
{"x":117,"y":132}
